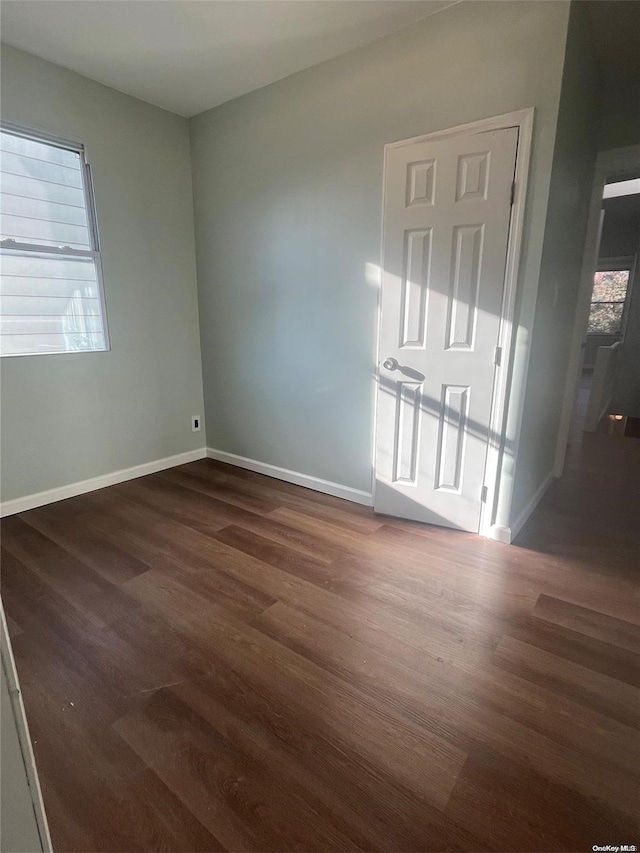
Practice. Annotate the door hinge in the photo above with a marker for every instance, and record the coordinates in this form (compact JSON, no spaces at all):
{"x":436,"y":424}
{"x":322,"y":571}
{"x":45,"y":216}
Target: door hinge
{"x":497,"y":360}
{"x":513,"y":192}
{"x":483,"y":494}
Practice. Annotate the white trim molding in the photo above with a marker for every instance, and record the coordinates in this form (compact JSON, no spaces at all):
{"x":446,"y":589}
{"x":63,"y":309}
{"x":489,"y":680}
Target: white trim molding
{"x":494,"y":480}
{"x":12,"y":683}
{"x":507,"y":534}
{"x":500,"y":534}
{"x":299,"y":479}
{"x":83,"y":486}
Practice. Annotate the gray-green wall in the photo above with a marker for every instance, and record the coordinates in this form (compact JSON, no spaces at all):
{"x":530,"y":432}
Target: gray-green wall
{"x":620,"y":123}
{"x":72,"y":417}
{"x":574,"y":158}
{"x":287,"y":189}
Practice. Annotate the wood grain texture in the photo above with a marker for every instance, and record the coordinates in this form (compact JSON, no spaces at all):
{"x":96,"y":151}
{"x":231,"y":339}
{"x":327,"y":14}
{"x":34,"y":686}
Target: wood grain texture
{"x":214,"y":660}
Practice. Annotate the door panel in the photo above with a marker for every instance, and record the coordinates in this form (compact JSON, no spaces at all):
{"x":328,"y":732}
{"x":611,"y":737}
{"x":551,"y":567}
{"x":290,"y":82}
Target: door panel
{"x":446,"y":228}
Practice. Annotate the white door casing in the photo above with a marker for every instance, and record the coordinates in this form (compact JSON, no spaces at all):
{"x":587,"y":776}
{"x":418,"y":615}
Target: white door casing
{"x":24,"y":822}
{"x":447,"y":209}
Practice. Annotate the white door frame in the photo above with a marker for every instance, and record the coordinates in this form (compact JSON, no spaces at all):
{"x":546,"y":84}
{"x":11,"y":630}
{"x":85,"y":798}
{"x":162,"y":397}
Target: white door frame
{"x":523,"y":120}
{"x":609,"y":164}
{"x":33,"y":821}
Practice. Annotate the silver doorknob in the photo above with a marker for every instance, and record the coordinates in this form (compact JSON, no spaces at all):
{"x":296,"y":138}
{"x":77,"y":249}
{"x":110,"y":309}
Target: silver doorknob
{"x":390,"y":364}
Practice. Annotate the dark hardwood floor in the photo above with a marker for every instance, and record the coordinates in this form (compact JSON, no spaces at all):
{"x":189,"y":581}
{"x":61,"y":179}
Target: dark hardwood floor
{"x":213,"y":660}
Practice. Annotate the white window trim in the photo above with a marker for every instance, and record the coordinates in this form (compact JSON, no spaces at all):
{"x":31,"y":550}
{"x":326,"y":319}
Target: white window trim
{"x":94,"y":252}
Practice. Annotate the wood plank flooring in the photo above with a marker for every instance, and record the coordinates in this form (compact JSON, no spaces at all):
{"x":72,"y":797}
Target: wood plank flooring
{"x":213,"y":660}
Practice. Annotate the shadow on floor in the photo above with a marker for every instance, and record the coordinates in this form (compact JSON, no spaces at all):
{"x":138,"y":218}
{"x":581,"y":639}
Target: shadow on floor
{"x":592,"y":511}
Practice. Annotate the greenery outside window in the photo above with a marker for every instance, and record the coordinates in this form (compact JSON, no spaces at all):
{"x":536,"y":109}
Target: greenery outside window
{"x":609,"y":296}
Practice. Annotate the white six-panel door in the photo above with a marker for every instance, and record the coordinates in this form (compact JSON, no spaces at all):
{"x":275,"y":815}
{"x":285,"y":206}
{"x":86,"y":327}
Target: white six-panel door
{"x":446,"y":227}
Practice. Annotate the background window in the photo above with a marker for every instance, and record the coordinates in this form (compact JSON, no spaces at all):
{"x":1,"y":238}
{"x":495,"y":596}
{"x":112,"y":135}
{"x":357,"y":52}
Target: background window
{"x":607,"y":302}
{"x":50,"y":284}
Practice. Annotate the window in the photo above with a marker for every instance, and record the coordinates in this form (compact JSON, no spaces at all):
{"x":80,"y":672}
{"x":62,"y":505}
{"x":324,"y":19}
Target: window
{"x":51,"y":297}
{"x":606,"y":314}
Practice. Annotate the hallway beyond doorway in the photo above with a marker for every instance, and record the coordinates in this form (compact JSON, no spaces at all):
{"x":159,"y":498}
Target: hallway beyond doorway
{"x":591,"y":512}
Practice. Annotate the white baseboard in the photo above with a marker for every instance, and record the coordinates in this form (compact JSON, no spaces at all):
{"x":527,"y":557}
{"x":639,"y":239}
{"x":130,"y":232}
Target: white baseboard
{"x":500,"y":534}
{"x":80,"y":488}
{"x":306,"y":480}
{"x":519,"y":523}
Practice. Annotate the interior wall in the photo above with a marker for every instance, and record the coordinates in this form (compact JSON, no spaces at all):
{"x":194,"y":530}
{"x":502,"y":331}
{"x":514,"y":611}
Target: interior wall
{"x":620,"y":120}
{"x":574,"y":158}
{"x":287,"y":188}
{"x":70,"y":417}
{"x":621,"y":226}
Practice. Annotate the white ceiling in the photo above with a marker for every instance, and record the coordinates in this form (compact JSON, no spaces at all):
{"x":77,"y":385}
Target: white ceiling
{"x":190,"y":55}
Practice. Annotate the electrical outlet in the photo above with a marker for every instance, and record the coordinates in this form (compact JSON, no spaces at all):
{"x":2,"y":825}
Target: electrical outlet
{"x":196,"y":423}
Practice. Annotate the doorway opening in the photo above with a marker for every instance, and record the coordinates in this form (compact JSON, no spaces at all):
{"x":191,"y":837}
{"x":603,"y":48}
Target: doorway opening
{"x":602,"y":374}
{"x":590,"y":512}
{"x":608,"y":395}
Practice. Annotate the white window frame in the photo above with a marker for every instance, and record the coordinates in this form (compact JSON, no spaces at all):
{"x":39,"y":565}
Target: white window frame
{"x":92,"y":226}
{"x":615,"y":265}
